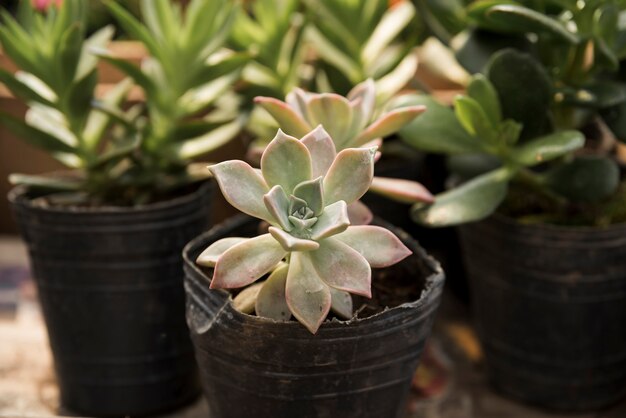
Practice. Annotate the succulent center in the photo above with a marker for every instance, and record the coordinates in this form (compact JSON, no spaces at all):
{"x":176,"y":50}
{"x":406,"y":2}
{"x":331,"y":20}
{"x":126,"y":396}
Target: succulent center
{"x":301,"y":217}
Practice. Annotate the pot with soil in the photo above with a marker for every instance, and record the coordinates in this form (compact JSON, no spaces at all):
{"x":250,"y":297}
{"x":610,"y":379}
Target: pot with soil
{"x":109,"y":281}
{"x":308,"y":259}
{"x":362,"y":367}
{"x":549,"y":307}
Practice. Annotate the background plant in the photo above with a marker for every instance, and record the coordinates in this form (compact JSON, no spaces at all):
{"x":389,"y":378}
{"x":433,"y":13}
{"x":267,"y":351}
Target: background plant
{"x":487,"y":155}
{"x":314,"y":257}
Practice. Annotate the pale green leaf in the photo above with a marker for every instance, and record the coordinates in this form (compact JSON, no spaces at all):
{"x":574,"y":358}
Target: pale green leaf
{"x":271,"y":301}
{"x":350,"y":175}
{"x":286,"y":162}
{"x":209,"y":257}
{"x":379,"y":246}
{"x":334,"y":220}
{"x":291,"y":243}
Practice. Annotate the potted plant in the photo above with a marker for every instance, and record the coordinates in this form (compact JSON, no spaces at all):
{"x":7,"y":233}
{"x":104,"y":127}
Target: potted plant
{"x":359,"y":363}
{"x":544,"y":263}
{"x":105,"y":238}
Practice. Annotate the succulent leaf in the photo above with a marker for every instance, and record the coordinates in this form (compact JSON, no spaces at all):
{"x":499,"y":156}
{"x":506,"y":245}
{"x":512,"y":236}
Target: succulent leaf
{"x":322,"y":150}
{"x":332,"y":221}
{"x":209,"y":257}
{"x":285,"y":116}
{"x":311,"y":192}
{"x":247,"y":262}
{"x":246,"y":299}
{"x":242,"y":187}
{"x":292,"y":243}
{"x":286,"y":162}
{"x":341,"y":303}
{"x":270,"y":302}
{"x":548,"y":147}
{"x":389,"y":124}
{"x":307,"y":296}
{"x":379,"y":246}
{"x":359,"y":214}
{"x":277,"y":203}
{"x":350,"y":175}
{"x":342,"y":267}
{"x":334,"y":113}
{"x":400,"y":190}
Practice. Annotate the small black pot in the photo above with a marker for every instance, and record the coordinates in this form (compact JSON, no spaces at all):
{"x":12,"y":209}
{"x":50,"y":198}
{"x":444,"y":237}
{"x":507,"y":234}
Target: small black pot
{"x":256,"y":368}
{"x":550,"y":307}
{"x":110,"y":284}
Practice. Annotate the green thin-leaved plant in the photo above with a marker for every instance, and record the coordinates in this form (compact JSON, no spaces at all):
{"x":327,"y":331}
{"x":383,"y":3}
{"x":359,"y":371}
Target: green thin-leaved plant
{"x":313,"y":255}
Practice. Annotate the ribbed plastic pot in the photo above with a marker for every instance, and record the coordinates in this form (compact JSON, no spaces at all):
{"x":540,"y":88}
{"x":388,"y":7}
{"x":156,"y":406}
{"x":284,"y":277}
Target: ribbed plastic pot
{"x":550,"y":307}
{"x":256,"y":368}
{"x":110,"y":283}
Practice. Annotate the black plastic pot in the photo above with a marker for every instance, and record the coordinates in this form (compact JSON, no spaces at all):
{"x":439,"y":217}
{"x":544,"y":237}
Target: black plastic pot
{"x":550,"y":307}
{"x":256,"y":368}
{"x":110,"y":284}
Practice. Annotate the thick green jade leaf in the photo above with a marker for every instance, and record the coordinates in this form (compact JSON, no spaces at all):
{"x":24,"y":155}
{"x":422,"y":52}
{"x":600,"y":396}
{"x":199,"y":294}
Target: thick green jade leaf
{"x":242,"y":187}
{"x":277,"y":203}
{"x":389,"y":124}
{"x":350,"y":175}
{"x":359,"y":214}
{"x":548,"y":147}
{"x":522,"y":19}
{"x":288,"y":120}
{"x":588,"y":178}
{"x":322,"y":149}
{"x":247,"y":262}
{"x":341,"y":303}
{"x":471,"y":201}
{"x":524,"y":89}
{"x":405,"y":191}
{"x":333,"y":220}
{"x":209,"y":257}
{"x":246,"y":299}
{"x":481,"y":90}
{"x":475,"y":120}
{"x":437,"y":130}
{"x":342,"y":267}
{"x":379,"y":246}
{"x":334,"y":113}
{"x":311,"y":192}
{"x":291,"y":243}
{"x":308,"y":297}
{"x":286,"y":162}
{"x":271,"y":302}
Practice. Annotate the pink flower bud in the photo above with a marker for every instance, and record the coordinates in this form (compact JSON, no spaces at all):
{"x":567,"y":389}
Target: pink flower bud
{"x":43,"y":5}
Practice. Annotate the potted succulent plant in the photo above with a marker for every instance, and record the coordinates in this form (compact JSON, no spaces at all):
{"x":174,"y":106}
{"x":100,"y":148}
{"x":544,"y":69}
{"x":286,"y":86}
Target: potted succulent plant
{"x":105,"y":238}
{"x":302,"y":257}
{"x":545,"y":264}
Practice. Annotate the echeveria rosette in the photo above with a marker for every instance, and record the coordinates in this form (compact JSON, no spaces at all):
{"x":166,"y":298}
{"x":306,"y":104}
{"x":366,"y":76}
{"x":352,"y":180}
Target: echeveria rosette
{"x":313,"y":254}
{"x":352,"y":121}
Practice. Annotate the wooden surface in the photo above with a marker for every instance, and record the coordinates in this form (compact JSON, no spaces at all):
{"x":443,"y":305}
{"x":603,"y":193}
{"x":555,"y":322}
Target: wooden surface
{"x":452,"y":380}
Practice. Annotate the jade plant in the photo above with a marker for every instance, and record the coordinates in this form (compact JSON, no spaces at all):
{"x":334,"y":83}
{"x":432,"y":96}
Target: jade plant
{"x":357,"y":40}
{"x":122,"y":153}
{"x":352,"y":121}
{"x":488,"y":156}
{"x":313,"y":256}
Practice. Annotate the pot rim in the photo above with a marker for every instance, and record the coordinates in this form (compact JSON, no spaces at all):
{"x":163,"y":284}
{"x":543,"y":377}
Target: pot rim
{"x":18,"y":196}
{"x":432,"y":288}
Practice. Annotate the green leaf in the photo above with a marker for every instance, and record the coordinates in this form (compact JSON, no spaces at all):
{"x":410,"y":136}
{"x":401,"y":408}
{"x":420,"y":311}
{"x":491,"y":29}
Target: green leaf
{"x":388,"y":124}
{"x":35,"y":136}
{"x":437,"y":129}
{"x":586,"y":178}
{"x":469,"y":202}
{"x":242,"y":187}
{"x":271,"y":301}
{"x":479,"y":46}
{"x":475,"y":120}
{"x":308,"y":297}
{"x":350,"y":175}
{"x":287,"y":118}
{"x":334,"y":113}
{"x":332,"y":221}
{"x":524,"y":89}
{"x":482,"y":91}
{"x":130,"y":70}
{"x":286,"y":162}
{"x":322,"y":150}
{"x":21,"y":90}
{"x":398,"y":78}
{"x":342,"y":267}
{"x":341,"y":303}
{"x":277,"y":203}
{"x":311,"y":192}
{"x":548,"y":147}
{"x":47,"y":183}
{"x":391,"y":24}
{"x":334,"y":56}
{"x":98,"y":122}
{"x":133,"y":27}
{"x":400,"y":190}
{"x":380,"y":247}
{"x":291,"y":243}
{"x":190,"y":148}
{"x":209,"y":257}
{"x":247,"y":262}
